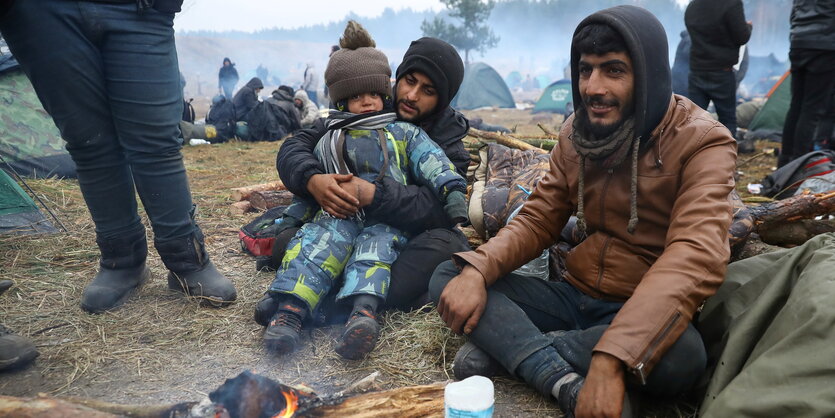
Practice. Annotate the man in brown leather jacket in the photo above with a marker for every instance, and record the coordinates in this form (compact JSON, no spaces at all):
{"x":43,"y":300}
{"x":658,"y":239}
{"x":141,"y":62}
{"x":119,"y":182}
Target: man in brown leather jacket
{"x":648,"y":175}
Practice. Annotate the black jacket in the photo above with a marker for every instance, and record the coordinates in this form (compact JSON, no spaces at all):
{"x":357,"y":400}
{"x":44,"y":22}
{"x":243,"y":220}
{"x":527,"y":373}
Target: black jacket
{"x":717,"y":29}
{"x":227,"y":74}
{"x":813,"y":24}
{"x":246,"y":98}
{"x":410,"y":208}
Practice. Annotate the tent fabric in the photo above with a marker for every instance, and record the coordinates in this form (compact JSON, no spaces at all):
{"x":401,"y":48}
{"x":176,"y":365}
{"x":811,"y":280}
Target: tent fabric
{"x":768,"y":333}
{"x":482,"y":87}
{"x":18,"y":213}
{"x":773,"y":113}
{"x":555,"y":98}
{"x":29,"y":140}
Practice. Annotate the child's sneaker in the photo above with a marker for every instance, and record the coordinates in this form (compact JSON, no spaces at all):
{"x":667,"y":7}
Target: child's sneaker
{"x":360,"y":334}
{"x":282,"y":334}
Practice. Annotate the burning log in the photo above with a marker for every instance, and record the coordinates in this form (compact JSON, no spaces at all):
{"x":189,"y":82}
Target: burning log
{"x":268,"y":199}
{"x":243,"y":193}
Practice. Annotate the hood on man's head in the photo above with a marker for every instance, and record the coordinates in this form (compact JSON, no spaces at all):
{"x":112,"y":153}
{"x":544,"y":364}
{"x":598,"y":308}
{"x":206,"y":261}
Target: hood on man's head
{"x":255,"y":83}
{"x":301,"y":95}
{"x":440,"y":62}
{"x":225,"y":60}
{"x":646,"y":42}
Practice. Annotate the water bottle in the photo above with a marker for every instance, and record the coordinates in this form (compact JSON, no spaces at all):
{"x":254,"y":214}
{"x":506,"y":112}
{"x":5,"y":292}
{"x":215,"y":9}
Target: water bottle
{"x":469,"y":398}
{"x":538,"y":267}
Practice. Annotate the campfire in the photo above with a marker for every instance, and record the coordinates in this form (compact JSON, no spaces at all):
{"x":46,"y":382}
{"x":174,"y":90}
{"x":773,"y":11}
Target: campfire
{"x":249,"y":395}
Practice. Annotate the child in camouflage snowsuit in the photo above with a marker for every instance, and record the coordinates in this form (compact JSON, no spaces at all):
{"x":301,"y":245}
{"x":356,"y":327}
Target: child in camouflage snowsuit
{"x":356,"y":253}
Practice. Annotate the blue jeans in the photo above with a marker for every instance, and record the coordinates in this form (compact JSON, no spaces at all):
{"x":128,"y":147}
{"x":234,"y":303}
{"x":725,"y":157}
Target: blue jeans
{"x":520,"y":309}
{"x":719,"y":87}
{"x":109,"y":77}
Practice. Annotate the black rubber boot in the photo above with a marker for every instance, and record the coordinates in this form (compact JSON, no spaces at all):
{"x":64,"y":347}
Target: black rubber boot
{"x":122,"y":272}
{"x":15,"y":350}
{"x":265,"y":308}
{"x":191,"y":272}
{"x":473,"y":361}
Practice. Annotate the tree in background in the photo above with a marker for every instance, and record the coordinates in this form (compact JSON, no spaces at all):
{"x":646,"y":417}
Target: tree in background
{"x":473,"y":34}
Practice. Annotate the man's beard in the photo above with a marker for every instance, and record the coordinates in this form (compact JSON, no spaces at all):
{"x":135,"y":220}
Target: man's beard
{"x":600,"y":130}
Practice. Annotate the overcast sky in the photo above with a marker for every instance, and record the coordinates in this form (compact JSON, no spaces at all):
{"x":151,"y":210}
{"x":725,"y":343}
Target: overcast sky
{"x":251,"y":15}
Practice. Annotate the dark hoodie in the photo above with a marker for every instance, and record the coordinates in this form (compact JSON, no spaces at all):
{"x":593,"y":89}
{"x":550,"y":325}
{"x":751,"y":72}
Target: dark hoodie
{"x":246,"y":98}
{"x":227,"y":74}
{"x":411,"y":208}
{"x":646,"y":41}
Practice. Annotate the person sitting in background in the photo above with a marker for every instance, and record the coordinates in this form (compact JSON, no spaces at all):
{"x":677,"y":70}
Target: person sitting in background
{"x":246,"y":98}
{"x":308,"y":111}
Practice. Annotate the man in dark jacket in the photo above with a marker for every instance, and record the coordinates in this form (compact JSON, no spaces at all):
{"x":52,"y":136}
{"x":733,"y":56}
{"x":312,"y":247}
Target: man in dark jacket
{"x":107,"y":73}
{"x":717,"y":30}
{"x":810,"y":119}
{"x":246,"y":98}
{"x":427,"y":80}
{"x":648,"y":174}
{"x":227,"y":77}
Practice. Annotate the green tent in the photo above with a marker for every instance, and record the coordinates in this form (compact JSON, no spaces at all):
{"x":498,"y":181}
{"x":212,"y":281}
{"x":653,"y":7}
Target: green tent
{"x":29,"y":140}
{"x":773,"y":113}
{"x":482,"y":87}
{"x":556,"y":98}
{"x":513,"y":80}
{"x":18,"y":213}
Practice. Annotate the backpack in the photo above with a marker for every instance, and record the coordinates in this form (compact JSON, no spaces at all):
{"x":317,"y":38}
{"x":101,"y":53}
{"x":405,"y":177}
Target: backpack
{"x":258,"y":236}
{"x":188,"y":111}
{"x":222,"y":116}
{"x":785,"y":181}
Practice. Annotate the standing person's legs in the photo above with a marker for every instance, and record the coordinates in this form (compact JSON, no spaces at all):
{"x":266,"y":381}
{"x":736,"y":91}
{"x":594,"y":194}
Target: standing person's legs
{"x":65,"y":67}
{"x":724,"y":99}
{"x":815,"y":120}
{"x":791,"y":143}
{"x":313,"y":97}
{"x":411,"y":273}
{"x":228,"y":88}
{"x":142,"y":80}
{"x":697,"y":87}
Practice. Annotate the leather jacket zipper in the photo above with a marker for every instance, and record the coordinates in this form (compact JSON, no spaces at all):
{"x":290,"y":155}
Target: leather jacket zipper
{"x":639,"y":368}
{"x":601,"y":259}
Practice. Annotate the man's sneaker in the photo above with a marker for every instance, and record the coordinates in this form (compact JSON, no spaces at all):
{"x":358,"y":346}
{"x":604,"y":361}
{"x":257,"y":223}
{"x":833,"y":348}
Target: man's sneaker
{"x":473,"y":361}
{"x":360,"y":334}
{"x":15,"y":350}
{"x":282,"y":334}
{"x":570,"y":391}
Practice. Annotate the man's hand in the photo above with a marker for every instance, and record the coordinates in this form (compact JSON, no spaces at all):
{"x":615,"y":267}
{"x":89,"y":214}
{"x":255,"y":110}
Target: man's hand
{"x":463,"y":300}
{"x":602,"y":393}
{"x":333,"y":199}
{"x":361,"y":189}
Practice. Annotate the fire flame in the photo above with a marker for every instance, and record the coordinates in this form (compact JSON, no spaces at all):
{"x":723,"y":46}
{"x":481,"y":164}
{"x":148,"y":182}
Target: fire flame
{"x":292,"y":402}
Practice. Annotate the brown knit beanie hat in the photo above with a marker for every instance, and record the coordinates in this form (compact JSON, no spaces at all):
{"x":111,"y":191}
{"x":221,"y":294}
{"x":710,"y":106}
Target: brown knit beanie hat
{"x":357,"y":67}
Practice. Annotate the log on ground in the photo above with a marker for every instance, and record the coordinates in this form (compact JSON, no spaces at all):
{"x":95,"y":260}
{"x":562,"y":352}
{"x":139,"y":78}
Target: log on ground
{"x":243,"y":193}
{"x":268,"y":199}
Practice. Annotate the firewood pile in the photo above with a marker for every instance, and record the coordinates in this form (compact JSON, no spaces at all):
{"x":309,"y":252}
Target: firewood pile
{"x":260,"y":197}
{"x":249,"y":395}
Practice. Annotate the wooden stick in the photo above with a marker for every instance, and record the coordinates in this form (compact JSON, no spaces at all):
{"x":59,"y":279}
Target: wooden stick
{"x":505,"y":140}
{"x":242,"y":193}
{"x":548,"y":130}
{"x":240,"y":208}
{"x":268,"y":199}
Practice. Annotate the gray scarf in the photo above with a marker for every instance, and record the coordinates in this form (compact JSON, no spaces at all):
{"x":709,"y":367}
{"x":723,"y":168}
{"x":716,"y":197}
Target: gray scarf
{"x":610,"y":152}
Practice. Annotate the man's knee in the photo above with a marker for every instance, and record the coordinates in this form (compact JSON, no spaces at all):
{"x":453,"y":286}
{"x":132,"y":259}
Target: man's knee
{"x":681,"y":367}
{"x":442,"y":275}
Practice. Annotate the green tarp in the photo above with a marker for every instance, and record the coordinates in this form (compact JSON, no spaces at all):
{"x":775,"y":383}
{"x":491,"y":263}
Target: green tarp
{"x":482,"y":87}
{"x":29,"y":140}
{"x":769,"y":332}
{"x":18,"y":213}
{"x":555,"y":98}
{"x":773,"y":113}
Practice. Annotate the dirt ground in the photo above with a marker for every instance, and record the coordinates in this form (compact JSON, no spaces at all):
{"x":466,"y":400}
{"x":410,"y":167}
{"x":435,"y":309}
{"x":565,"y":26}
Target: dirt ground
{"x":161,"y":348}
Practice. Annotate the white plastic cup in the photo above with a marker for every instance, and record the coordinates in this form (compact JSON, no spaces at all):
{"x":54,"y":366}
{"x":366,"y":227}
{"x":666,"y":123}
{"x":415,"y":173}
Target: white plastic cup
{"x":469,"y":398}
